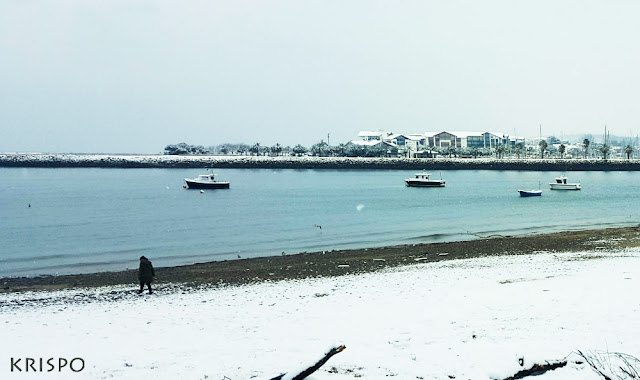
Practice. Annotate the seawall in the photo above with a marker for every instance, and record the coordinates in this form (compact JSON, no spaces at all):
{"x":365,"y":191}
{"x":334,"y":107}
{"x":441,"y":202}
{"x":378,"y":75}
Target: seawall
{"x":263,"y":162}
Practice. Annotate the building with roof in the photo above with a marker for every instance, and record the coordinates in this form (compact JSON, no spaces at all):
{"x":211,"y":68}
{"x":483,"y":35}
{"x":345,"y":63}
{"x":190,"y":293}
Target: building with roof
{"x":411,"y":144}
{"x":398,"y":139}
{"x":371,"y":135}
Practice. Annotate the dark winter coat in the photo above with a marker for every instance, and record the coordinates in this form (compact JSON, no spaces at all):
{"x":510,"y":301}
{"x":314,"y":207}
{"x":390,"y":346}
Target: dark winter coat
{"x":146,"y":272}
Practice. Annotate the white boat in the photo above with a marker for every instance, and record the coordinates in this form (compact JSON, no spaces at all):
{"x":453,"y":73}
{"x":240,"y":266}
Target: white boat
{"x":562,"y":184}
{"x":206,"y":181}
{"x":423,"y":180}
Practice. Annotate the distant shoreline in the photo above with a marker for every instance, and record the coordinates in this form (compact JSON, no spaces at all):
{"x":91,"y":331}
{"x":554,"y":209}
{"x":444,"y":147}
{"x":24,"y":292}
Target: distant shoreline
{"x":288,"y":162}
{"x":597,"y":242}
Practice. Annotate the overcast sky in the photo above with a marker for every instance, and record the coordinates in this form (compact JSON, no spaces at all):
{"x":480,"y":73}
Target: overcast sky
{"x":133,"y":76}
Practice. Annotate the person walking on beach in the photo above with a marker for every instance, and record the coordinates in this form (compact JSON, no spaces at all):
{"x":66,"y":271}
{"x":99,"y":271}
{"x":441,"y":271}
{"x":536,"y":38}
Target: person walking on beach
{"x":145,"y":274}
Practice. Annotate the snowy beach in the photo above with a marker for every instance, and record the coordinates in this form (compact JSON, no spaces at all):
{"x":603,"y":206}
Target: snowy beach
{"x":320,"y":190}
{"x":477,"y":318}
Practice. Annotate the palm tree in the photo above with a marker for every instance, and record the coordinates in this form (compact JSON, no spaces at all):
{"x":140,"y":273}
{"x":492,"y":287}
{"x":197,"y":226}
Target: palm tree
{"x":543,"y":146}
{"x":341,"y":149}
{"x":586,"y":143}
{"x":276,"y":149}
{"x":255,"y":149}
{"x":299,"y":150}
{"x":561,"y":150}
{"x":319,"y":149}
{"x":519,"y":148}
{"x":604,"y":150}
{"x":243,"y":148}
{"x":628,"y":150}
{"x":500,"y":150}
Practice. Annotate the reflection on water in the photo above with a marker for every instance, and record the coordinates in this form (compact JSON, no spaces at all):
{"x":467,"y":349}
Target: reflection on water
{"x":85,"y":220}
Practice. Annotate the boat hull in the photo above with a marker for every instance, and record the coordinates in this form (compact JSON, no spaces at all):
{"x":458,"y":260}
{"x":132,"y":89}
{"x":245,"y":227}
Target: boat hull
{"x":564,"y":186}
{"x":214,"y":185}
{"x":530,"y":193}
{"x":430,"y":183}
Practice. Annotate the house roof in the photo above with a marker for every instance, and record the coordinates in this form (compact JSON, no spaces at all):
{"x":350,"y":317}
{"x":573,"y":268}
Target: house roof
{"x":369,"y":133}
{"x":465,"y":133}
{"x":416,"y":136}
{"x":370,"y":143}
{"x":447,"y":132}
{"x":394,"y":136}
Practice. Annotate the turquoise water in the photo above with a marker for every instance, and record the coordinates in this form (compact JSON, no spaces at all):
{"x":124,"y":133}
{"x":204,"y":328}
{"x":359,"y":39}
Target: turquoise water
{"x":87,"y":219}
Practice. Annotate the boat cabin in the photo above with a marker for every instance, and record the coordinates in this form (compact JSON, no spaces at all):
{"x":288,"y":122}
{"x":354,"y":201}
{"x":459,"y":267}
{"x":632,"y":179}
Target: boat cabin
{"x":206,"y":177}
{"x":423,"y":175}
{"x":562,"y":179}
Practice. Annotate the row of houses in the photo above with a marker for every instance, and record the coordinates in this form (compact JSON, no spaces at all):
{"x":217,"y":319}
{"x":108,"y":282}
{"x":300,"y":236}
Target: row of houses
{"x":419,"y":141}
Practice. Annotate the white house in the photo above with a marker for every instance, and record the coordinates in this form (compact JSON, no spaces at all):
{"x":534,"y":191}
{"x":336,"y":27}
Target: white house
{"x":398,"y":139}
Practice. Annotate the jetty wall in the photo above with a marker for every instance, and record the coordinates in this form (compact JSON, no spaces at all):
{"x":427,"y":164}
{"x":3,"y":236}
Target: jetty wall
{"x":288,"y":162}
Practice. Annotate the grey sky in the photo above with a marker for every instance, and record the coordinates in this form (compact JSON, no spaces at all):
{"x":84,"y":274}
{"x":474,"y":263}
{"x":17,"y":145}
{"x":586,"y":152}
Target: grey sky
{"x":134,"y":76}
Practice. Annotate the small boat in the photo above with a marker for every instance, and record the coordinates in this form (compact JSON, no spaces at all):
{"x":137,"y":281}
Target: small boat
{"x":206,"y":181}
{"x":562,"y":184}
{"x":530,"y":193}
{"x":422,"y":180}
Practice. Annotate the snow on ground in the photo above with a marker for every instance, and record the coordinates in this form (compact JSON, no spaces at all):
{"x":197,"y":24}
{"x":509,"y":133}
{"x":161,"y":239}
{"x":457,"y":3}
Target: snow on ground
{"x":462,"y":319}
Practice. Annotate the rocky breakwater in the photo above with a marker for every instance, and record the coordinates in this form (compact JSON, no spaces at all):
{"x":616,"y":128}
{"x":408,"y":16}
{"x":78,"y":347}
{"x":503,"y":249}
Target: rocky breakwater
{"x":289,"y":162}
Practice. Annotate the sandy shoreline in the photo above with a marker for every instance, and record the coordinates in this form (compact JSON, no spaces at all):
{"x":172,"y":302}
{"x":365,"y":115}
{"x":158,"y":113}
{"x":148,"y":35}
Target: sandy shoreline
{"x":339,"y":262}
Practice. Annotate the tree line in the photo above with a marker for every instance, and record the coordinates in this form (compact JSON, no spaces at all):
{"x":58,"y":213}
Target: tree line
{"x":321,"y":149}
{"x":553,"y":148}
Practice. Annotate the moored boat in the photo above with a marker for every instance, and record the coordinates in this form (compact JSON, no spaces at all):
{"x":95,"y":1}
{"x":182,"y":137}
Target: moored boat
{"x":530,"y":193}
{"x":562,"y":184}
{"x":423,"y":180}
{"x":206,"y":181}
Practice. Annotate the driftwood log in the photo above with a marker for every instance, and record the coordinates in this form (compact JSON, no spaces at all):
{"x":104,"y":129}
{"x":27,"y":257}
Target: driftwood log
{"x":314,"y":367}
{"x":537,"y":369}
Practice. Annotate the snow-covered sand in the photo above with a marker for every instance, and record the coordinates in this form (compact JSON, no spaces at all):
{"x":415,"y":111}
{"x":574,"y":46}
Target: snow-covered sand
{"x":462,"y":319}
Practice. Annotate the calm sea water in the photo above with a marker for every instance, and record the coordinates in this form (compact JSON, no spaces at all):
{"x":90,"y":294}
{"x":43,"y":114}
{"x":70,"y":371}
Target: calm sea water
{"x":88,"y":220}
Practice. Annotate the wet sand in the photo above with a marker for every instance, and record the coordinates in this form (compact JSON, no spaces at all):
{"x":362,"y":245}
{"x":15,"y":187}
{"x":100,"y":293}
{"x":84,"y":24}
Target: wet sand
{"x":340,"y":262}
